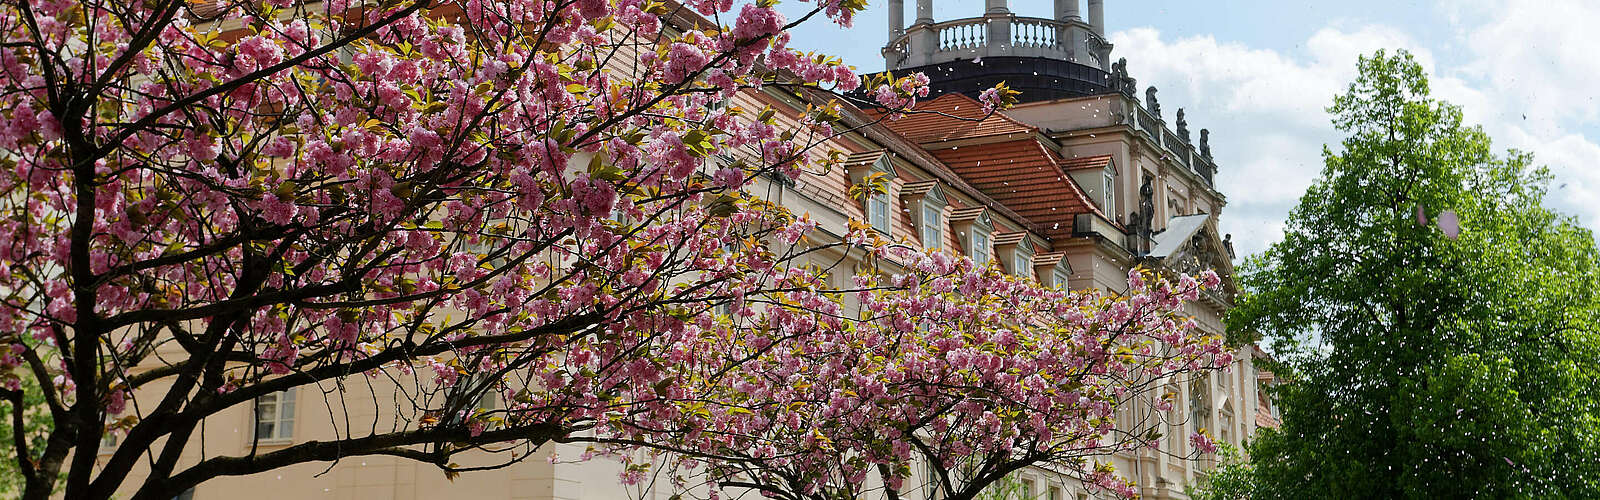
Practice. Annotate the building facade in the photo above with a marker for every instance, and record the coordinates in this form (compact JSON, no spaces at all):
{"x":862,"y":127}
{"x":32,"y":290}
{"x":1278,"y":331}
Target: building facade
{"x":1078,"y":183}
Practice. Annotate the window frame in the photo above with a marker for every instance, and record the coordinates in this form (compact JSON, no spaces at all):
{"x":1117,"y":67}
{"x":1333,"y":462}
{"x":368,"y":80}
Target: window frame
{"x":1109,"y":185}
{"x":932,"y":221}
{"x":879,"y":208}
{"x":1022,"y":263}
{"x":278,"y":434}
{"x":982,"y":250}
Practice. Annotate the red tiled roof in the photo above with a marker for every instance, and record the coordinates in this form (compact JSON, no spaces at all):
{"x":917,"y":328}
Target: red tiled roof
{"x":1024,"y":176}
{"x":863,"y":158}
{"x":1010,"y":238}
{"x":1084,"y":162}
{"x":1264,"y":418}
{"x":1048,"y":259}
{"x":966,"y":213}
{"x":917,"y":188}
{"x":953,"y":116}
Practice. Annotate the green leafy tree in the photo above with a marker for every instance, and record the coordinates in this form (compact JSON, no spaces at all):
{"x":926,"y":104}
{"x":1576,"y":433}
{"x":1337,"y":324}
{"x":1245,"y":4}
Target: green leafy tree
{"x":35,"y":424}
{"x":1232,"y":479}
{"x":1426,"y":363}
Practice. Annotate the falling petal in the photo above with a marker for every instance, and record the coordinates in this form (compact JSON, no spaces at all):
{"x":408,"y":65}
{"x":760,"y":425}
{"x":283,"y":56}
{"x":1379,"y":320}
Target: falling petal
{"x":1450,"y":224}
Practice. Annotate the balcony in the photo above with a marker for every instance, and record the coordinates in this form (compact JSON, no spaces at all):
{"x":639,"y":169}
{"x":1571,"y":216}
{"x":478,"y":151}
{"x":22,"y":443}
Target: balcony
{"x":997,"y":35}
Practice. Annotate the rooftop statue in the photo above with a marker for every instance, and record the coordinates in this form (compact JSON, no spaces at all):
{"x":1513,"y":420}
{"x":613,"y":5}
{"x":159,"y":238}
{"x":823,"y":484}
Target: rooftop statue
{"x":1150,"y":102}
{"x":1183,"y":126}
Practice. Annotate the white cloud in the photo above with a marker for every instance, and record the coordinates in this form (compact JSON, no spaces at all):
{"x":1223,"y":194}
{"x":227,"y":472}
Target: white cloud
{"x":1536,"y":56}
{"x":1538,"y":70}
{"x":1267,"y":108}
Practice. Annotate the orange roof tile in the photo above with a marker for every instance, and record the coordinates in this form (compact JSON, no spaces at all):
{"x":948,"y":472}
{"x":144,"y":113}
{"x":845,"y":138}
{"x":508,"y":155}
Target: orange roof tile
{"x":863,"y":158}
{"x":917,"y":188}
{"x":1084,"y":162}
{"x":1265,"y":419}
{"x":1024,"y":176}
{"x":953,"y":116}
{"x":1048,"y":259}
{"x":966,"y":213}
{"x":1010,"y":238}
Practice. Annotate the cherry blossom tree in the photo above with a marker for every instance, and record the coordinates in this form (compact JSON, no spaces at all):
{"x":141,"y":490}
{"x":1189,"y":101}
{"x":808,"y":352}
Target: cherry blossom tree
{"x":439,"y":201}
{"x":954,"y":377}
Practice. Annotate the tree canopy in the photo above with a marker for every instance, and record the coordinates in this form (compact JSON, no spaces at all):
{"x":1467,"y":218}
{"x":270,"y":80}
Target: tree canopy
{"x":1421,"y":362}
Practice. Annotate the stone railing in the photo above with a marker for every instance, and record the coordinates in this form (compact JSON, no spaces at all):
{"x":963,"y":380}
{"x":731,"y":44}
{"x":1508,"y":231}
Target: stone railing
{"x":992,"y":35}
{"x":962,"y":35}
{"x":1182,"y":151}
{"x":1035,"y":32}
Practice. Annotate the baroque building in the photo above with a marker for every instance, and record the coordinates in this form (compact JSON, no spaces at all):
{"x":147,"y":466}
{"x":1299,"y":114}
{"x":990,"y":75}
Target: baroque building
{"x":1109,"y":181}
{"x":1081,"y":181}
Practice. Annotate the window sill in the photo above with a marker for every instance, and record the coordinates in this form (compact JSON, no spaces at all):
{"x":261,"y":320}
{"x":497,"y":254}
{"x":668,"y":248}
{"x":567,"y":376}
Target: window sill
{"x":278,"y":442}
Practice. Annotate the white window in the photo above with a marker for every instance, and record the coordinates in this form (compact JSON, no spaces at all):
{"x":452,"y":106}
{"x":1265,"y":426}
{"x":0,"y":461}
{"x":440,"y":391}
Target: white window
{"x":1055,"y":493}
{"x":1059,"y":278}
{"x":723,"y":306}
{"x":878,"y":212}
{"x":1110,"y":188}
{"x":1027,"y":489}
{"x":980,"y":247}
{"x":932,"y":226}
{"x":108,"y":441}
{"x":1020,"y":264}
{"x":275,"y":416}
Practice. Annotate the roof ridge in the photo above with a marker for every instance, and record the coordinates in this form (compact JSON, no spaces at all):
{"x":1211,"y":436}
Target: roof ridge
{"x":1000,"y":113}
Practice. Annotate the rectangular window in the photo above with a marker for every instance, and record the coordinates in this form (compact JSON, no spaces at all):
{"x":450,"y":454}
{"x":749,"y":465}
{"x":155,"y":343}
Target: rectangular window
{"x":723,"y":305}
{"x":1055,"y":493}
{"x":878,"y":212}
{"x":1027,"y":489}
{"x":108,"y":441}
{"x":1111,"y":193}
{"x":980,"y":247}
{"x":1020,"y":265}
{"x":932,"y":226}
{"x":275,"y":416}
{"x":1060,"y":278}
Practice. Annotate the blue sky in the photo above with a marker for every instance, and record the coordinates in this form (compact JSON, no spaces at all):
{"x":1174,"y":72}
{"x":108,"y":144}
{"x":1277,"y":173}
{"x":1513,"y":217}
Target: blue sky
{"x":1260,"y":73}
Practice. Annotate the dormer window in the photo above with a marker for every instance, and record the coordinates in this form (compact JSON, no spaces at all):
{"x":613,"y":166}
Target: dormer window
{"x":1052,"y":266}
{"x":1109,"y":187}
{"x":1015,"y":252}
{"x":878,"y":212}
{"x":932,"y":225}
{"x":975,"y":233}
{"x":926,"y":202}
{"x":873,"y":165}
{"x":980,"y":247}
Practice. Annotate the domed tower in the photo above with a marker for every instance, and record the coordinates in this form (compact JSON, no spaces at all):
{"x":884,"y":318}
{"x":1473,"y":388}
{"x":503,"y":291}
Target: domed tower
{"x":1045,"y":59}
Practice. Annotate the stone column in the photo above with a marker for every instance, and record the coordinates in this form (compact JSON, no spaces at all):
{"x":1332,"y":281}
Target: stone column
{"x":1097,"y":16}
{"x":897,"y":19}
{"x":924,"y":11}
{"x":1066,"y":9}
{"x":999,"y":38}
{"x":893,"y":54}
